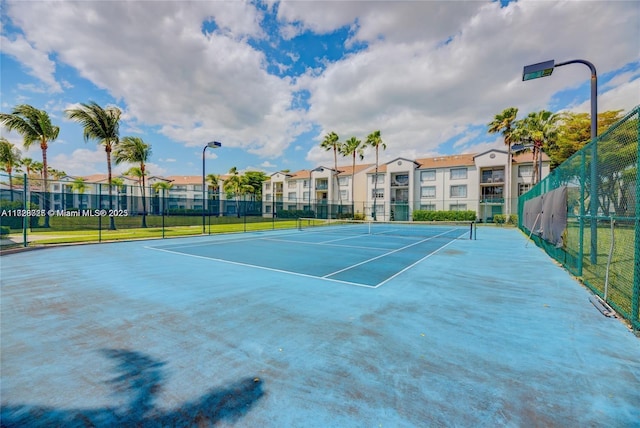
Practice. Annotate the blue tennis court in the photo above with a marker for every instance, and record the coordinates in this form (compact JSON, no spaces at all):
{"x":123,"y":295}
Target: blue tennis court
{"x":351,"y":254}
{"x":309,"y":328}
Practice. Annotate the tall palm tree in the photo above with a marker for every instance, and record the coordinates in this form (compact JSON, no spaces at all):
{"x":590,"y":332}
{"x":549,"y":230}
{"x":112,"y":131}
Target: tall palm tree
{"x":540,"y":128}
{"x":9,"y":159}
{"x":102,"y":125}
{"x":34,"y":125}
{"x":504,"y":123}
{"x":375,"y":140}
{"x":135,"y":150}
{"x":331,"y":142}
{"x":353,"y":147}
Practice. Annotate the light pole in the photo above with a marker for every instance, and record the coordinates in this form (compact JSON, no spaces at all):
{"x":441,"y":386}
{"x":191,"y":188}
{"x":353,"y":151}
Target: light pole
{"x":544,"y":69}
{"x":212,"y":145}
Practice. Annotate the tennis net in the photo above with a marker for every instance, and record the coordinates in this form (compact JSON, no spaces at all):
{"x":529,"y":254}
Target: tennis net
{"x":428,"y":229}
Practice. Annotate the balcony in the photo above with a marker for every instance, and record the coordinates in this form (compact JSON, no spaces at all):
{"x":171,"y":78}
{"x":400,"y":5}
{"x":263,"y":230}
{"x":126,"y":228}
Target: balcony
{"x":491,"y":200}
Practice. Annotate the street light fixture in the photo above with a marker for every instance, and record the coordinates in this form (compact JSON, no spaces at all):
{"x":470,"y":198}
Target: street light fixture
{"x":210,"y":145}
{"x":544,"y":69}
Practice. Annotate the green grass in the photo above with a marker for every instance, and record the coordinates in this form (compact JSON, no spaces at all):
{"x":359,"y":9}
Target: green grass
{"x":78,"y":229}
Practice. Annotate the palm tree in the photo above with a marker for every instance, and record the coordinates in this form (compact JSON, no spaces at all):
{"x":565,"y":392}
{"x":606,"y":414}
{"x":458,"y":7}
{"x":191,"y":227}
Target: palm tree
{"x":117,"y":183}
{"x":539,"y":127}
{"x":213,"y":181}
{"x":102,"y":125}
{"x":26,"y":163}
{"x":9,"y":158}
{"x":135,"y":150}
{"x":375,"y":140}
{"x":353,"y":147}
{"x":504,"y":123}
{"x":331,"y":142}
{"x":34,"y":125}
{"x":80,"y":186}
{"x":233,"y":185}
{"x":161,"y":185}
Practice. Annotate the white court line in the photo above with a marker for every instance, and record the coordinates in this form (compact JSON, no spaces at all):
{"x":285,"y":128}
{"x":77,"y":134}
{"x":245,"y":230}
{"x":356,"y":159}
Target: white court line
{"x":221,"y":241}
{"x":383,"y":255}
{"x":262,"y":267}
{"x":413,"y":264}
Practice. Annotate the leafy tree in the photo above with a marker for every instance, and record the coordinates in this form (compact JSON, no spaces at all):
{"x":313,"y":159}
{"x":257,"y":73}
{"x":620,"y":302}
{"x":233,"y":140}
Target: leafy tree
{"x":102,"y":125}
{"x":374,"y":140}
{"x":9,"y":159}
{"x":135,"y":150}
{"x":574,"y":132}
{"x":331,"y":142}
{"x":34,"y":125}
{"x":353,"y":147}
{"x":254,"y":179}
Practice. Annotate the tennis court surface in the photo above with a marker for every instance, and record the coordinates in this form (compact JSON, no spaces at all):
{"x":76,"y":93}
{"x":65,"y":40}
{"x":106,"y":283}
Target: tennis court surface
{"x":310,"y":328}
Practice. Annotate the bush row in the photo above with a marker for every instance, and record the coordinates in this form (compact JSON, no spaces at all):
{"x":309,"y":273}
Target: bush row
{"x":422,"y":215}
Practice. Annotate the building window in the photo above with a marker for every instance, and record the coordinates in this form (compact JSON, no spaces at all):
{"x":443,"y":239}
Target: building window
{"x":291,"y":185}
{"x":305,"y":184}
{"x":429,"y":175}
{"x":267,"y":209}
{"x":428,"y":192}
{"x":343,"y":195}
{"x":401,"y":179}
{"x":197,"y":187}
{"x":377,"y":194}
{"x":523,"y":188}
{"x":428,"y":207}
{"x":305,"y":196}
{"x":525,"y":170}
{"x":291,"y":207}
{"x":459,"y":191}
{"x":458,"y":207}
{"x":380,"y":179}
{"x":291,"y":196}
{"x":267,"y":196}
{"x":458,"y":173}
{"x":267,"y":186}
{"x":343,"y":181}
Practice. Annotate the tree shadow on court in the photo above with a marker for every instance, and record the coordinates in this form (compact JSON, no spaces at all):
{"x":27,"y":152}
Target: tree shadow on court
{"x":140,"y":378}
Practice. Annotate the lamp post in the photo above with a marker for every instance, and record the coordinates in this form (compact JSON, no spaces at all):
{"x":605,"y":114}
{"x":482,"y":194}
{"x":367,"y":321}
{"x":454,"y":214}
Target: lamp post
{"x":544,"y":69}
{"x":212,"y":145}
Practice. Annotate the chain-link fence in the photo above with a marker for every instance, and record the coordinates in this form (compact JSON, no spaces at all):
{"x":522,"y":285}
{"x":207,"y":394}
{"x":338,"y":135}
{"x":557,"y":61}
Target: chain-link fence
{"x":601,"y":241}
{"x":64,"y":211}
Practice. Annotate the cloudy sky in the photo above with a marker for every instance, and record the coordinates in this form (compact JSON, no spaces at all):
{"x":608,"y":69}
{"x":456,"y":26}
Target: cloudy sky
{"x":269,"y":79}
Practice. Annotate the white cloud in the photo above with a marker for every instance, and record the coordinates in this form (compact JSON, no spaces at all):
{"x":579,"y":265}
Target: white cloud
{"x":36,"y":61}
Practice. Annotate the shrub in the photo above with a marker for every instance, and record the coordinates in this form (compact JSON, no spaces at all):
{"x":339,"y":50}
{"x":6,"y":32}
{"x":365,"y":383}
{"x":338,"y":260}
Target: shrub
{"x":422,"y":215}
{"x":499,"y":218}
{"x":513,"y":219}
{"x":4,"y":231}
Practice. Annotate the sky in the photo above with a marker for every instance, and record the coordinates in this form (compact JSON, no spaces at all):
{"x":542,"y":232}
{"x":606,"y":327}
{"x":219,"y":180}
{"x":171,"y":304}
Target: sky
{"x":269,"y":79}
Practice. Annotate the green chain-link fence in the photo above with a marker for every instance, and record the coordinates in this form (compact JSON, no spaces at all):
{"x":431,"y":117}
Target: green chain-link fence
{"x":601,"y":244}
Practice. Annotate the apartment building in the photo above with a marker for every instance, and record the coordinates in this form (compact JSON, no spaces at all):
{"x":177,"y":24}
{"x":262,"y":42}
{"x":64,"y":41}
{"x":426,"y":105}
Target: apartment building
{"x":482,"y":182}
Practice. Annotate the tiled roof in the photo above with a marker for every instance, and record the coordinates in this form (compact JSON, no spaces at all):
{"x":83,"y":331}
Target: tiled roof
{"x":446,"y":161}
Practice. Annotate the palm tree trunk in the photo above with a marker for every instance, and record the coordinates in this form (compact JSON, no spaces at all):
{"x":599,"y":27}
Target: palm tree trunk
{"x":375,"y":187}
{"x":144,"y":199}
{"x":353,"y":185}
{"x":112,"y":223}
{"x":45,"y":176}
